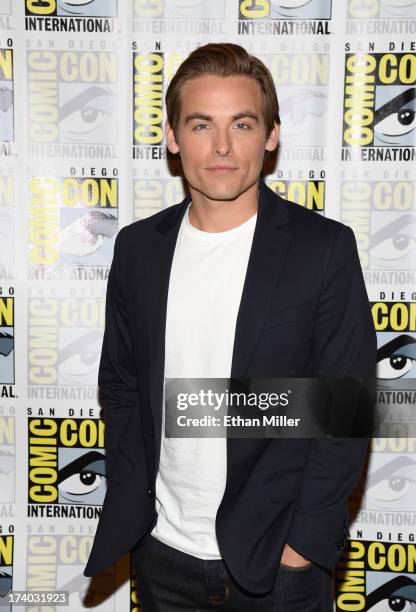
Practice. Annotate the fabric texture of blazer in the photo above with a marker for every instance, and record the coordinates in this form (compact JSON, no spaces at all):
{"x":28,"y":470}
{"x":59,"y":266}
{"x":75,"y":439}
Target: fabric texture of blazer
{"x":304,"y":312}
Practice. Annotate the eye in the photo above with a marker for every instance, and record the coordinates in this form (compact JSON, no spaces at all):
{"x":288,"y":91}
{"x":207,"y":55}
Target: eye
{"x":397,"y":124}
{"x":395,"y":366}
{"x":392,"y":489}
{"x":81,"y":483}
{"x":245,"y":125}
{"x":392,"y":603}
{"x":396,"y":247}
{"x":196,"y":127}
{"x":87,"y":110}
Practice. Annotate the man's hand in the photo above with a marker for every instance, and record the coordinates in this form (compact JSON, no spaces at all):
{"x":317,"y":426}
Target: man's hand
{"x":291,"y":557}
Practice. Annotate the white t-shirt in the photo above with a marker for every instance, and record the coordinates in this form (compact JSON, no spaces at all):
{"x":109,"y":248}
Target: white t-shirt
{"x":205,"y":287}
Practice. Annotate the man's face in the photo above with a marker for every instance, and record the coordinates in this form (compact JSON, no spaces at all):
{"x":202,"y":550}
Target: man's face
{"x":221,"y":135}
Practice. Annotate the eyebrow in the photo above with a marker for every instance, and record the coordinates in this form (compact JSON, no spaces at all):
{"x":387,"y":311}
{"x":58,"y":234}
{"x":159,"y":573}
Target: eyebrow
{"x":204,"y":117}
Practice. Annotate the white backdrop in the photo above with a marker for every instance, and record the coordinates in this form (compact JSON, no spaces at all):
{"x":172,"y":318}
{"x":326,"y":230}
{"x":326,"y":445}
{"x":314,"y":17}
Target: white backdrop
{"x":82,"y":154}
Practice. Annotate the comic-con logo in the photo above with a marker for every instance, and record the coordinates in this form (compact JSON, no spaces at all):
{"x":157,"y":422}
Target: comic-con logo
{"x":64,"y":343}
{"x":66,"y":462}
{"x":379,"y":106}
{"x":381,"y":9}
{"x":6,"y":96}
{"x":395,"y":325}
{"x":72,"y":221}
{"x":6,"y":568}
{"x":62,"y":558}
{"x":73,"y":8}
{"x":72,"y":97}
{"x":381,"y":213}
{"x":7,"y":362}
{"x":7,"y":459}
{"x":376,"y":576}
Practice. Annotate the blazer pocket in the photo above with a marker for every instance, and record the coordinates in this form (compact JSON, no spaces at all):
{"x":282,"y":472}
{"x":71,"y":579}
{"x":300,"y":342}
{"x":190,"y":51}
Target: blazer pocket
{"x":283,"y":486}
{"x":281,"y":316}
{"x":118,"y":465}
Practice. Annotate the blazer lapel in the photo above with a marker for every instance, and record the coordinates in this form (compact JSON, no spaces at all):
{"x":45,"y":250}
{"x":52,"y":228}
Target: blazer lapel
{"x":161,"y":251}
{"x":265,"y":263}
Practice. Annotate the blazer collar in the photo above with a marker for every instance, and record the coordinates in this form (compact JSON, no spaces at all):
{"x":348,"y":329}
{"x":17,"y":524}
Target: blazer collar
{"x":272,"y":210}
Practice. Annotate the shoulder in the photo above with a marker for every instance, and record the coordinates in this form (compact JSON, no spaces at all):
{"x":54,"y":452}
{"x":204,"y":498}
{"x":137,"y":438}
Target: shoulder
{"x":313,"y":228}
{"x":141,"y":231}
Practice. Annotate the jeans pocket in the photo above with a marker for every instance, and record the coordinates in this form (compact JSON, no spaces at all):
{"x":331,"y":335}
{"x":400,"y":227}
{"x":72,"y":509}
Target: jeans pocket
{"x":300,"y":568}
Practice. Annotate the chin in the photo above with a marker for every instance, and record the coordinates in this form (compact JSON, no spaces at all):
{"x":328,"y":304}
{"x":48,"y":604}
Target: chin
{"x":221,"y":193}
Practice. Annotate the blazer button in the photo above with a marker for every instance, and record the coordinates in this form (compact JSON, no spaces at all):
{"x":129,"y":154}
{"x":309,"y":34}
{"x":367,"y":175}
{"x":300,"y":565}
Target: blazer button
{"x":150,"y":492}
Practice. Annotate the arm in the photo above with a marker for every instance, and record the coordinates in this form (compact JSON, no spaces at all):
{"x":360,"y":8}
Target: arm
{"x":117,"y":379}
{"x":344,"y":346}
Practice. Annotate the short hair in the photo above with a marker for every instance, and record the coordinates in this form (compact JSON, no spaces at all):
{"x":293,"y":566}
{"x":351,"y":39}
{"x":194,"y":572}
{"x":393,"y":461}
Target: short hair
{"x":223,"y":59}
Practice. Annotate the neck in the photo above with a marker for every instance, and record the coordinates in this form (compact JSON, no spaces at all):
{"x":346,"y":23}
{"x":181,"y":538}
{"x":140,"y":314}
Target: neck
{"x":221,"y":215}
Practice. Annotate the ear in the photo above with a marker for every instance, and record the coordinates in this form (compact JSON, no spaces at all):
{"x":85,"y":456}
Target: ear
{"x":273,"y":138}
{"x":170,"y":139}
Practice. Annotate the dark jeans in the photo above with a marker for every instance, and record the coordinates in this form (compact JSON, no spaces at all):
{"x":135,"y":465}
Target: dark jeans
{"x":169,"y":580}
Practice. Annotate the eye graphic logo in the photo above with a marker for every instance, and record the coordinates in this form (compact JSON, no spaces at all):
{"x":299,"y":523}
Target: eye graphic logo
{"x":391,"y":483}
{"x":383,"y":577}
{"x":6,"y":570}
{"x":72,"y":97}
{"x":396,"y":358}
{"x":72,"y":8}
{"x":66,"y":461}
{"x":395,"y":325}
{"x":6,"y":96}
{"x":7,"y":368}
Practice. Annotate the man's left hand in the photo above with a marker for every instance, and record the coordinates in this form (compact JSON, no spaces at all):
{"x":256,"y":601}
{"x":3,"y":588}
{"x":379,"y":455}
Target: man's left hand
{"x":293,"y":558}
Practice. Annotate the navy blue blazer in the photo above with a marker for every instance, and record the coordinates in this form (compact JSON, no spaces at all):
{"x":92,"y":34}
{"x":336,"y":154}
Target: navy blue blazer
{"x":304,"y":312}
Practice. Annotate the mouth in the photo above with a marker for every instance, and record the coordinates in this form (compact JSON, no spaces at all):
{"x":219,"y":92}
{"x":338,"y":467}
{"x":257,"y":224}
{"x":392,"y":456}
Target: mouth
{"x":222,"y":169}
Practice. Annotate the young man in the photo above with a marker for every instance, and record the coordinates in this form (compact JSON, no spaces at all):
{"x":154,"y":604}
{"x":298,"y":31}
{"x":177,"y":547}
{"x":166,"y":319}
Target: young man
{"x":233,"y":281}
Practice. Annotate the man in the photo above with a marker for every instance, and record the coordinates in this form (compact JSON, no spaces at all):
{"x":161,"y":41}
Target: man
{"x":233,"y":281}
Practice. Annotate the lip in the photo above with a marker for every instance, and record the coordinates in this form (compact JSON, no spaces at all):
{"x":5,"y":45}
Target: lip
{"x":222,"y":168}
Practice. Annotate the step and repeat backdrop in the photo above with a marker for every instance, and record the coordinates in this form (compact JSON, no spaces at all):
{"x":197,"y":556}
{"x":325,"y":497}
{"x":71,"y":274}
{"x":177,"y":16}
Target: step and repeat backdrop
{"x":82,"y":154}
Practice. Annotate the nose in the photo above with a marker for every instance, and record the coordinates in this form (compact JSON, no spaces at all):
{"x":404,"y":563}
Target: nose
{"x":221,"y":143}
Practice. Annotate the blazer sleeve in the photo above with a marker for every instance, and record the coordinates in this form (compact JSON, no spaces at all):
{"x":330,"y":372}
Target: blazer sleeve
{"x":345,"y":345}
{"x":117,"y":377}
